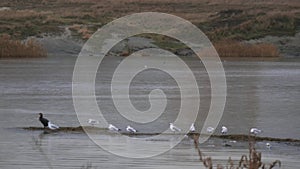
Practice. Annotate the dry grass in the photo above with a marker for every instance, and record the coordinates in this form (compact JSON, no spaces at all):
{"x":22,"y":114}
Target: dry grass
{"x":252,"y":161}
{"x":82,"y":30}
{"x":217,"y":18}
{"x":225,"y":48}
{"x":275,"y":23}
{"x":21,"y":14}
{"x":230,"y":48}
{"x":10,"y":48}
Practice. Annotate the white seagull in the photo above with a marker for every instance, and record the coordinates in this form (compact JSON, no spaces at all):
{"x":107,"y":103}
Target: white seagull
{"x":255,"y":131}
{"x":192,"y":128}
{"x":113,"y":128}
{"x":131,"y":129}
{"x":93,"y":122}
{"x":174,"y":128}
{"x":210,"y":129}
{"x":52,"y":126}
{"x":268,"y":145}
{"x":224,"y":130}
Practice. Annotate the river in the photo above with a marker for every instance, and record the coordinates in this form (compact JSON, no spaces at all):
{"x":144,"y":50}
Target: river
{"x":259,"y":94}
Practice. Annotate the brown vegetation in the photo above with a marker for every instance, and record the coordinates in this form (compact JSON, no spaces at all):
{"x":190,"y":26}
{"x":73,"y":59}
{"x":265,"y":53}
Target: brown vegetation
{"x":235,"y":20}
{"x":225,"y":48}
{"x":230,"y":48}
{"x":10,"y":48}
{"x":252,"y":161}
{"x":240,"y":19}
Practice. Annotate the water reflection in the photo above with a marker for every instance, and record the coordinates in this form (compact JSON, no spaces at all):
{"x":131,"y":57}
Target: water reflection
{"x":38,"y":145}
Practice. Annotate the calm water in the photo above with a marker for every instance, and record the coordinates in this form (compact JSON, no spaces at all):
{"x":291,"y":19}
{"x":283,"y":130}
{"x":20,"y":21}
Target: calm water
{"x":261,"y":94}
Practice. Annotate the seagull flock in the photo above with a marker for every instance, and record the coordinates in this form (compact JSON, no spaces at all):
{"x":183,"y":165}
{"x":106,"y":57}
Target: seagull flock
{"x":174,"y":129}
{"x":224,"y":130}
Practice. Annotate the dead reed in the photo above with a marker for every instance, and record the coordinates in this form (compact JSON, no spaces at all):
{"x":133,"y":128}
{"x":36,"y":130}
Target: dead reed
{"x":252,"y":161}
{"x":231,"y":48}
{"x":10,"y":48}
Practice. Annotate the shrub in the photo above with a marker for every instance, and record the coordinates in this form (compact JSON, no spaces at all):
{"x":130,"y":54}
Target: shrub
{"x":30,"y":48}
{"x":252,"y":161}
{"x":231,"y":48}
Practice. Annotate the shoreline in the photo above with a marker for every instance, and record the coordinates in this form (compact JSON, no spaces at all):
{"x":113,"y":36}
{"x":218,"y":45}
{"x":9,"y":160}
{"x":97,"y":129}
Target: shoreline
{"x":83,"y":129}
{"x":66,"y":44}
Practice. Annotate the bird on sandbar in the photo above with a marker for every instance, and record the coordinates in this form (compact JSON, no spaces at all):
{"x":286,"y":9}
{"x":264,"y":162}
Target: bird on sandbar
{"x":131,"y":129}
{"x":46,"y":123}
{"x":192,"y":128}
{"x":224,"y":130}
{"x":255,"y":131}
{"x":174,"y":128}
{"x":113,"y":128}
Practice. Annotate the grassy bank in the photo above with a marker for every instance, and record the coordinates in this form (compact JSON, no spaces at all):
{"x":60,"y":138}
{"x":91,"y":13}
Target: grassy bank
{"x":225,"y":48}
{"x":220,"y":20}
{"x":10,"y":48}
{"x":238,"y":19}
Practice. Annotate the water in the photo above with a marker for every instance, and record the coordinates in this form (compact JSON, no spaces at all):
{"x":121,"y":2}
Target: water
{"x":260,"y":94}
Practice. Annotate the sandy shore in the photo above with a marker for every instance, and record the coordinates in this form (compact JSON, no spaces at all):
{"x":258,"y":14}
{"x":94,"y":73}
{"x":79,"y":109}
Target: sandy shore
{"x":67,"y":45}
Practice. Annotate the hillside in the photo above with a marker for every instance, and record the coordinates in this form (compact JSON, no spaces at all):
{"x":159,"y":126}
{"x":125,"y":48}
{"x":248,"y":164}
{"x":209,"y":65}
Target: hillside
{"x":235,"y":20}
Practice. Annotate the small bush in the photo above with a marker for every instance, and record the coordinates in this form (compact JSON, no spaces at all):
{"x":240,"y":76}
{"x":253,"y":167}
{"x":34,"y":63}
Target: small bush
{"x":231,"y":48}
{"x":252,"y":161}
{"x":10,"y":48}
